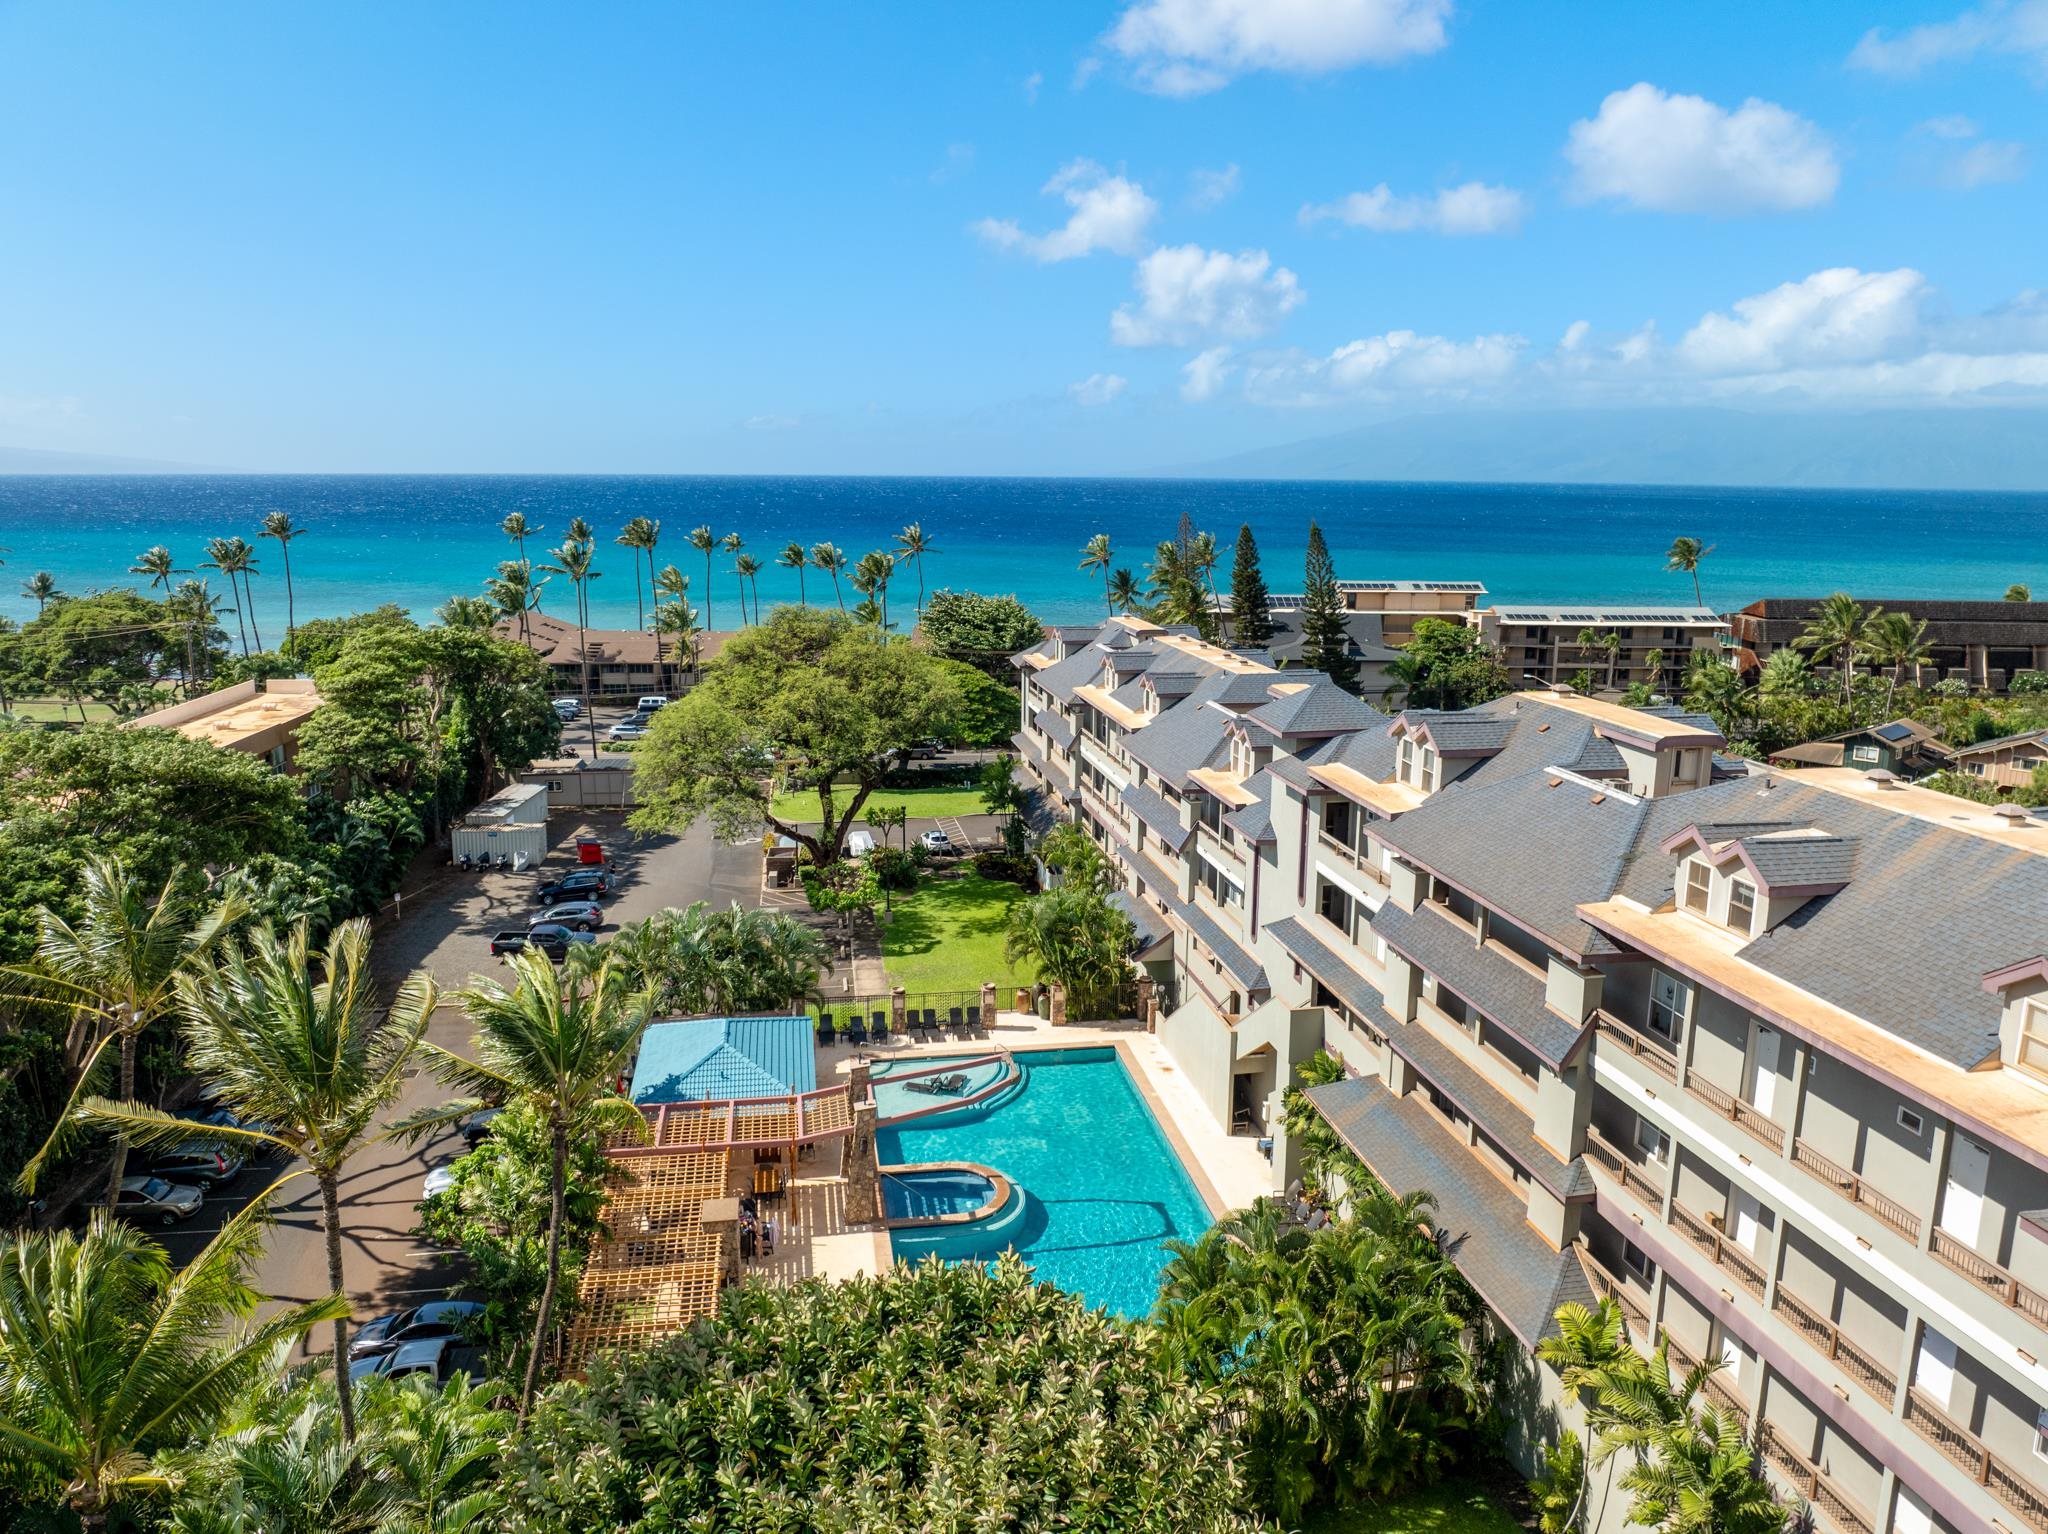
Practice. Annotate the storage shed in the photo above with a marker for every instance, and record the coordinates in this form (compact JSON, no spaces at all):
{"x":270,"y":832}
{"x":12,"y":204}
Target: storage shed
{"x":512,"y":823}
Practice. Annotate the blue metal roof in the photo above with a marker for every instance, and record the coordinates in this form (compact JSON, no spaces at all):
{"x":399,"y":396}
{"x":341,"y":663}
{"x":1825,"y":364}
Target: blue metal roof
{"x":716,"y":1059}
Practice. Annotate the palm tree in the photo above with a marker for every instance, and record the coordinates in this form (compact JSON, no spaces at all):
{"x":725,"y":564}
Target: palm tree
{"x":1712,"y":686}
{"x":43,"y":587}
{"x":2019,"y":591}
{"x":234,"y":558}
{"x":1202,"y":560}
{"x":307,"y":1055}
{"x":912,"y":543}
{"x":461,"y":612}
{"x":1785,"y":675}
{"x":155,"y":563}
{"x":580,"y":531}
{"x":731,"y":543}
{"x":706,"y":543}
{"x":1896,"y":641}
{"x":516,"y":593}
{"x":109,"y":1353}
{"x":748,"y":569}
{"x":671,"y":583}
{"x":794,"y":557}
{"x":1837,"y":629}
{"x":557,"y":1040}
{"x":574,"y":559}
{"x":279,"y":525}
{"x":871,"y":579}
{"x":678,"y":619}
{"x":518,"y":529}
{"x":1123,"y":592}
{"x":1684,"y":556}
{"x":639,"y":535}
{"x":117,"y":970}
{"x":827,"y":557}
{"x":1097,"y":555}
{"x":198,"y":611}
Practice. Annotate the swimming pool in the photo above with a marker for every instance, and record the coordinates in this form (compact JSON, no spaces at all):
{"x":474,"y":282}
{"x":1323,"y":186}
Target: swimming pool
{"x":1101,"y":1188}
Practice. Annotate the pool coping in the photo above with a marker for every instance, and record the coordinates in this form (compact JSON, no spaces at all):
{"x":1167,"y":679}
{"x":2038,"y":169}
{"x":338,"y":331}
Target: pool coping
{"x":997,"y":1181}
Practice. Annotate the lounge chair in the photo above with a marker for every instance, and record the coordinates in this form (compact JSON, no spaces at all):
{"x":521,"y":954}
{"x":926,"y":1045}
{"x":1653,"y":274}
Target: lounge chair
{"x":921,"y":1024}
{"x":954,"y":1020}
{"x":931,"y":1018}
{"x":880,"y":1030}
{"x":856,"y":1033}
{"x":827,"y":1034}
{"x":953,"y":1085}
{"x":974,"y":1019}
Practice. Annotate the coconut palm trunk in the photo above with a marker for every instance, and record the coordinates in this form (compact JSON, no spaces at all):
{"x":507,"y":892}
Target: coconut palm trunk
{"x":557,"y":1212}
{"x":330,"y":1219}
{"x":130,"y":1047}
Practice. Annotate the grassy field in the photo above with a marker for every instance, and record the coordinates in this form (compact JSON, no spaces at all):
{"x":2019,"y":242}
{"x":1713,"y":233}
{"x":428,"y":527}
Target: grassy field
{"x":1454,"y":1507}
{"x":802,"y":808}
{"x":41,"y":709}
{"x":948,"y":935}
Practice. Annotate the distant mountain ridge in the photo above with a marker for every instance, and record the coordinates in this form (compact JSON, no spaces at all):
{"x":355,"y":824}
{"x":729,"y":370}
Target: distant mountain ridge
{"x":1985,"y":448}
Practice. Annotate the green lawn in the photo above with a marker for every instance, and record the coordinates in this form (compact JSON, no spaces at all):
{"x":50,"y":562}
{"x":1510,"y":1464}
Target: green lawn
{"x":1454,"y":1507}
{"x":948,"y":934}
{"x":801,"y":808}
{"x":45,"y":709}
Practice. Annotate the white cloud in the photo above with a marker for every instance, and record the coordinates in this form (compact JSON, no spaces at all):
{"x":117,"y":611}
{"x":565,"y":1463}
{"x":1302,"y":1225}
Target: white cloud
{"x":2018,"y":29}
{"x":1187,"y":295}
{"x":1836,"y":316}
{"x":1203,"y":375}
{"x":1033,"y":83}
{"x":1110,"y":213}
{"x":1947,"y":151}
{"x":1187,"y":47}
{"x":958,"y":162}
{"x":1401,"y":362}
{"x":1685,"y":154}
{"x":1574,"y":335}
{"x":1212,"y":188}
{"x":1473,"y":208}
{"x":1986,"y":163}
{"x":1097,"y":388}
{"x":1954,"y":126}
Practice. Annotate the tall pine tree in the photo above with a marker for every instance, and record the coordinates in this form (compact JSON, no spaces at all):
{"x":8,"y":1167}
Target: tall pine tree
{"x":1325,"y":646}
{"x":1251,"y":616}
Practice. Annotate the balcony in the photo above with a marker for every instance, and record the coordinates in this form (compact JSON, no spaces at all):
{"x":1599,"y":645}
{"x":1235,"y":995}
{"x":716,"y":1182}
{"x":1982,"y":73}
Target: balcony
{"x":1351,"y":857}
{"x":1717,"y":1389}
{"x":1857,"y":1191}
{"x":1998,"y":1280}
{"x":1642,"y":1178}
{"x":1648,"y":1051}
{"x":1826,"y":1337}
{"x":1608,"y":1287}
{"x":1726,"y":1254}
{"x":1966,"y":1450}
{"x":1812,"y":1483}
{"x":1736,"y":1111}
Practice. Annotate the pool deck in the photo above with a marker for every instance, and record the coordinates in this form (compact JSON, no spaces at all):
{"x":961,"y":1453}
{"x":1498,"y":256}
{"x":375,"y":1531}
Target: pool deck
{"x":1227,"y":1170}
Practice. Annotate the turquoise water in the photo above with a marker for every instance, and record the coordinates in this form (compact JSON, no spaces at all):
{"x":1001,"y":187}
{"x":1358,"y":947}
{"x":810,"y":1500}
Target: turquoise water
{"x":416,"y":539}
{"x":927,"y":1195}
{"x":894,"y":1098}
{"x":1103,"y":1189}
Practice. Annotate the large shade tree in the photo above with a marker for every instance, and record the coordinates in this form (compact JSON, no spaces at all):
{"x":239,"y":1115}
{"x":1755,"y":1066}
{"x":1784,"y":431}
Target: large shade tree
{"x":808,"y":700}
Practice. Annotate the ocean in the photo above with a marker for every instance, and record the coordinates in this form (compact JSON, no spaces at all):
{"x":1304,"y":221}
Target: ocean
{"x":416,"y":540}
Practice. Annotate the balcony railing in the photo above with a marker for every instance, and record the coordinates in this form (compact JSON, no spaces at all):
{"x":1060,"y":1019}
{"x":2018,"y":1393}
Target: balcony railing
{"x":1736,"y":1111}
{"x":2000,"y":1281}
{"x":1611,"y":1288}
{"x":1826,"y":1336}
{"x":1717,"y":1389}
{"x":1812,"y":1483}
{"x":1964,"y":1447}
{"x":1654,"y":1055}
{"x":1726,"y":1254}
{"x":1642,"y":1178}
{"x":1352,"y":856}
{"x":1857,"y":1191}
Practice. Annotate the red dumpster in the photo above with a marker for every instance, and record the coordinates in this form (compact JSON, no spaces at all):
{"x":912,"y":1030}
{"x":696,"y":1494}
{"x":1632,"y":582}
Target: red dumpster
{"x":589,"y":850}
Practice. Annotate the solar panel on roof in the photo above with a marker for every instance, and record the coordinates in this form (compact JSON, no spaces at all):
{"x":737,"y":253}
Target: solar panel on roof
{"x":1893,"y":732}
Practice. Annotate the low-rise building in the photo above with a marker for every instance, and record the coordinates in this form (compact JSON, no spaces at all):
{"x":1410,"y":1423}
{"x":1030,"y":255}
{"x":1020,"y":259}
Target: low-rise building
{"x":1903,"y":746}
{"x":1982,"y":644}
{"x":622,"y":662}
{"x":2008,"y":762}
{"x":1618,"y":645}
{"x":259,"y":718}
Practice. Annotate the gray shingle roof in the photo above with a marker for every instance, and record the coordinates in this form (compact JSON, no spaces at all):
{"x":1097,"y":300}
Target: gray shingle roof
{"x":1500,"y":1116}
{"x":1370,"y":753}
{"x":1160,"y":817}
{"x":1182,"y":738}
{"x":1320,"y":708}
{"x":1338,"y":978}
{"x":1469,"y":732}
{"x":1291,"y":771}
{"x":1152,"y":927}
{"x":1486,"y":1225}
{"x":1498,"y":987}
{"x":1255,"y":821}
{"x":1241,"y":966}
{"x":1054,"y":728}
{"x":1063,"y":676}
{"x":1794,"y":862}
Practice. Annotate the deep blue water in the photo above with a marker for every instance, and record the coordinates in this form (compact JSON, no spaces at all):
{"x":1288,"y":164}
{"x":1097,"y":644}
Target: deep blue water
{"x":416,"y":540}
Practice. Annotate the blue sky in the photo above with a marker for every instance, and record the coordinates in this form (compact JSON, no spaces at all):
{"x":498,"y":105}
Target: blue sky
{"x":1026,"y":238}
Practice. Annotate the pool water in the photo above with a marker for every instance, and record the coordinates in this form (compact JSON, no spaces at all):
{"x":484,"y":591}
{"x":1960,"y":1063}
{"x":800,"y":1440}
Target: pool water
{"x":1102,"y":1189}
{"x":928,"y":1195}
{"x":924,"y":1090}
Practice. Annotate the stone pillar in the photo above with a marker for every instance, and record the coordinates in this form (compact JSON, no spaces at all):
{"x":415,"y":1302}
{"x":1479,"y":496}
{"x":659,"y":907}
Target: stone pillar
{"x":1059,"y":1005}
{"x":896,"y":1011}
{"x":1147,"y":1001}
{"x":863,"y":1178}
{"x":859,"y":1078}
{"x":988,"y":1004}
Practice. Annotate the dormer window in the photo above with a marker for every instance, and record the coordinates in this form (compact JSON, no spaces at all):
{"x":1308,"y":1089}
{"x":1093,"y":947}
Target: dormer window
{"x":1699,"y":883}
{"x":1418,"y":765}
{"x":2032,"y":1054}
{"x":1240,"y":757}
{"x":1741,"y":906}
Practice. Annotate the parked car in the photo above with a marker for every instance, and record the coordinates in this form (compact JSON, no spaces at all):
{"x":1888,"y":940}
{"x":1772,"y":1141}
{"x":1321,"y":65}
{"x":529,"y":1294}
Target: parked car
{"x":202,"y":1165}
{"x":440,"y":1318}
{"x":935,"y":840}
{"x":551,"y":938}
{"x":227,"y":1120}
{"x":653,"y":703}
{"x":578,"y":884}
{"x":442,"y":1358}
{"x":477,"y":1127}
{"x":438,"y":1181}
{"x":569,"y":708}
{"x":625,"y":729}
{"x":924,"y":750}
{"x":859,"y":843}
{"x":583,"y":915}
{"x":144,"y":1198}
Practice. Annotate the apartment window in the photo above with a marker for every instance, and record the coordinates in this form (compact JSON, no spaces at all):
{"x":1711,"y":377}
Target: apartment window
{"x":1911,"y":1122}
{"x":2041,"y":1434}
{"x":1428,"y":780}
{"x":2033,"y":1051}
{"x":1337,"y":821}
{"x":1240,"y":758}
{"x":1405,"y":759}
{"x":1741,"y":906}
{"x":1653,"y":1142}
{"x":1637,"y":1261}
{"x":1699,"y":879}
{"x":1669,"y":997}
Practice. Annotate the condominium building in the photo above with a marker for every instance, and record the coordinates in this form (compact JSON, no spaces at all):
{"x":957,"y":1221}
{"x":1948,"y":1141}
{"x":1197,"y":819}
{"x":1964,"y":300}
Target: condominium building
{"x":1379,"y":620}
{"x":1982,"y":644}
{"x":1762,"y":1056}
{"x":1617,"y":645}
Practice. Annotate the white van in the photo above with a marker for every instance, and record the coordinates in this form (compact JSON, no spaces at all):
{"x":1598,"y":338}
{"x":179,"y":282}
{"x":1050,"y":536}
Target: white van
{"x":859,"y":843}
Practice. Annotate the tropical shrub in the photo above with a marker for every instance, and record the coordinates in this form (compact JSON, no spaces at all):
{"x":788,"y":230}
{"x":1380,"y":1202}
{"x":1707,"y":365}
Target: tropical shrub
{"x":1076,"y":938}
{"x":929,"y":1398}
{"x":1325,"y":1159}
{"x":1342,"y":1350}
{"x":1556,"y":1493}
{"x":703,"y":960}
{"x":1008,"y":866}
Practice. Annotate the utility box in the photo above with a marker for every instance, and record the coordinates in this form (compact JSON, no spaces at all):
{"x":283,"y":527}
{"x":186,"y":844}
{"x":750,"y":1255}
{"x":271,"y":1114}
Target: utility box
{"x":512,"y":824}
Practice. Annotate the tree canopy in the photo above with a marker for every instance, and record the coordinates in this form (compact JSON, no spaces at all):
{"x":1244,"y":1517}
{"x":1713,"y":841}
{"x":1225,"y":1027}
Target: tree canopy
{"x":1325,"y":643}
{"x":1448,"y":665}
{"x":1251,"y":617}
{"x":983,"y":632}
{"x":814,"y":699}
